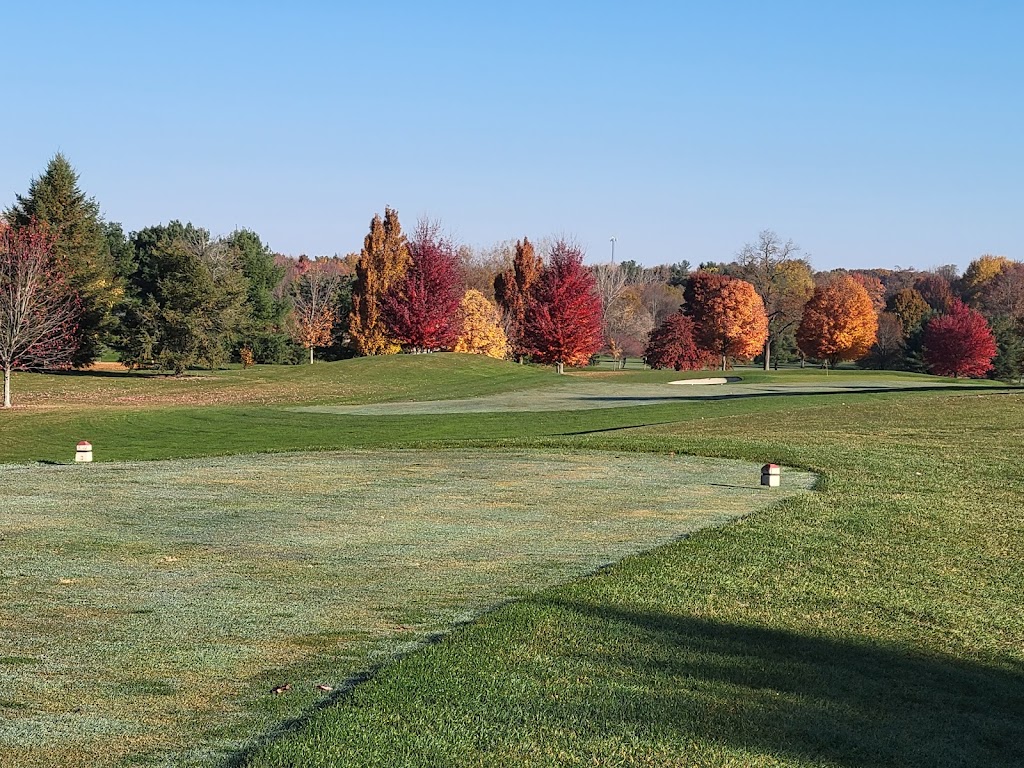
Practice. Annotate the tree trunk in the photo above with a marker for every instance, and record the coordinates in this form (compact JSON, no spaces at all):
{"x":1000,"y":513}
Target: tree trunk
{"x":561,"y":367}
{"x":767,"y":353}
{"x":723,"y":362}
{"x":7,"y":386}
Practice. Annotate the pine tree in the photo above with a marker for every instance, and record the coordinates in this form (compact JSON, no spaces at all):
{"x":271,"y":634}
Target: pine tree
{"x":264,"y":327}
{"x":55,"y":201}
{"x":382,"y":263}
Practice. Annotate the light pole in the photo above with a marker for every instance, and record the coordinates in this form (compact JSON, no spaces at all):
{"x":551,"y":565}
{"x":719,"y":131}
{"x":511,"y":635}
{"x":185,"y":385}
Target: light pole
{"x":613,"y":248}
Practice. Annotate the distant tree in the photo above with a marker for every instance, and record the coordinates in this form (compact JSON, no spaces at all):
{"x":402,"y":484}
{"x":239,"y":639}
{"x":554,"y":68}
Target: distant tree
{"x":315,"y":305}
{"x":1003,"y":295}
{"x":839,"y":322}
{"x":422,"y":309}
{"x":679,"y":273}
{"x":890,"y":345}
{"x":629,"y":321}
{"x":563,"y":317}
{"x":480,"y":327}
{"x":263,"y":329}
{"x":382,"y":263}
{"x":672,"y":345}
{"x":610,"y":281}
{"x":874,"y":288}
{"x":39,"y":310}
{"x":512,"y":289}
{"x":959,"y":343}
{"x":479,"y":266}
{"x":978,"y":275}
{"x":910,"y":308}
{"x":55,"y":201}
{"x":661,"y":300}
{"x":1008,"y":364}
{"x":936,"y":290}
{"x":729,"y":315}
{"x":783,"y":281}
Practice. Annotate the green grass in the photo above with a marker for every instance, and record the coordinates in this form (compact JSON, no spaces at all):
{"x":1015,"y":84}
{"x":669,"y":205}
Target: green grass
{"x":167,"y":597}
{"x":875,"y":622}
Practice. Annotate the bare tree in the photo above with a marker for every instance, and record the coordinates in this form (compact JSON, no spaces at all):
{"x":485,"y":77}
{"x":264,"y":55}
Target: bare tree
{"x":39,"y":311}
{"x":781,"y":278}
{"x":610,"y":280}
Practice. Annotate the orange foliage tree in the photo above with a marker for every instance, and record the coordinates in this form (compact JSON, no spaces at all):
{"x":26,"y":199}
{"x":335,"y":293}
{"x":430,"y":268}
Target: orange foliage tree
{"x":839,"y":322}
{"x":729,"y":315}
{"x":481,"y":333}
{"x":512,"y":292}
{"x":382,"y":263}
{"x":315,"y":300}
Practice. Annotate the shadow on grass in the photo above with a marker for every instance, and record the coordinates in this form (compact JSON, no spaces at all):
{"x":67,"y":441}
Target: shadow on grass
{"x":809,"y":698}
{"x":654,"y":677}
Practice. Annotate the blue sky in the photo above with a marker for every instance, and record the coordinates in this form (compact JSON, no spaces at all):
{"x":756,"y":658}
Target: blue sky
{"x":871,"y":133}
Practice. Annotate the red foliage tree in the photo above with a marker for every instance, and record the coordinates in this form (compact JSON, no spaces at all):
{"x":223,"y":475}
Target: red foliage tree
{"x":563,"y":319}
{"x":39,"y":311}
{"x":512,"y":292}
{"x":672,"y":345}
{"x":728,"y":314}
{"x":422,"y":309}
{"x":959,"y":343}
{"x":935,"y":289}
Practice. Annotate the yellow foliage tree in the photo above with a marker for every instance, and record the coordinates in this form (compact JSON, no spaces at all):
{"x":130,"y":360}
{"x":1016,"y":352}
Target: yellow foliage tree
{"x":482,"y":333}
{"x":839,"y":322}
{"x":980,"y":273}
{"x":382,"y":263}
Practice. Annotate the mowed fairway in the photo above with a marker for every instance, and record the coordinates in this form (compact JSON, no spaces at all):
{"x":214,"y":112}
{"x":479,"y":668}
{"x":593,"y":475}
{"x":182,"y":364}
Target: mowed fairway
{"x":148,"y":609}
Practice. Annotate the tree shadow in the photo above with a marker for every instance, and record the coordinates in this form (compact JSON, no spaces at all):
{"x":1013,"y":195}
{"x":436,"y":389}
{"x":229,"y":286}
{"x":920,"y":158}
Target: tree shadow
{"x":819,"y":699}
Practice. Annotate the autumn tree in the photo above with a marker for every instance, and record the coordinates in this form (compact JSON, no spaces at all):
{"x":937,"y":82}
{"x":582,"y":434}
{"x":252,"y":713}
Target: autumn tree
{"x":39,"y":309}
{"x":978,"y":275}
{"x":55,"y":201}
{"x":874,"y":288}
{"x":512,"y":289}
{"x":839,"y":322}
{"x":383,"y":262}
{"x":563,"y":315}
{"x":783,"y":281}
{"x":728,"y":314}
{"x":672,"y":345}
{"x":421,"y":310}
{"x":315,"y":305}
{"x":889,"y":347}
{"x":910,"y":308}
{"x":959,"y":343}
{"x":480,"y":327}
{"x":936,"y":290}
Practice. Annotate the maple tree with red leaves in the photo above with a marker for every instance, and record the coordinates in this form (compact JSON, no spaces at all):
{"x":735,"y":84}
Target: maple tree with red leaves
{"x":728,"y":315}
{"x":563,"y":320}
{"x":672,"y":345}
{"x":39,"y":311}
{"x":959,"y":343}
{"x":422,"y":309}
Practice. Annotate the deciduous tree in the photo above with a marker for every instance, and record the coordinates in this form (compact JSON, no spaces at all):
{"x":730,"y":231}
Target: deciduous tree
{"x":783,"y":281}
{"x":729,"y":315}
{"x":79,"y":243}
{"x":910,"y":308}
{"x":512,"y":289}
{"x":481,"y":332}
{"x":39,"y":310}
{"x":382,"y":263}
{"x":563,"y":317}
{"x":959,"y":343}
{"x":978,"y":275}
{"x":672,"y":345}
{"x":936,"y":290}
{"x":839,"y":322}
{"x":315,"y":305}
{"x":421,"y":310}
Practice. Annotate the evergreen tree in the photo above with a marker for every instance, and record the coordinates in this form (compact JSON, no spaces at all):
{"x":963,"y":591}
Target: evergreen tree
{"x":73,"y":220}
{"x":382,"y":263}
{"x":263,"y":331}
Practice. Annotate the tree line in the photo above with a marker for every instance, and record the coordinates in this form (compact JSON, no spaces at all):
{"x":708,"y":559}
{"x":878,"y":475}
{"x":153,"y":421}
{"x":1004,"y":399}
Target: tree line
{"x":173,"y":297}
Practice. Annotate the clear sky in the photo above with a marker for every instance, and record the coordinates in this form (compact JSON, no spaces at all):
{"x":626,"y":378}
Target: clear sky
{"x":871,"y":133}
